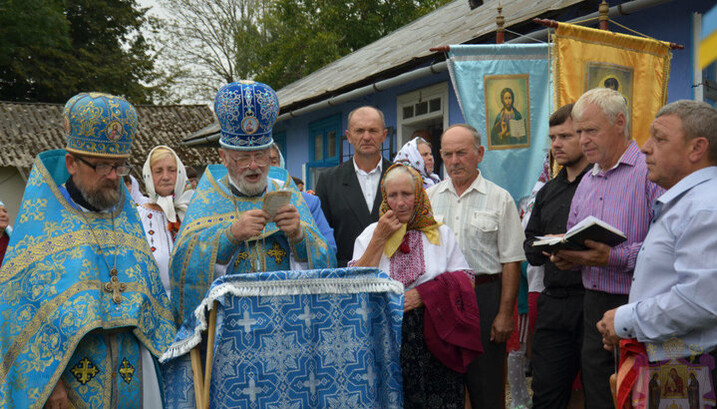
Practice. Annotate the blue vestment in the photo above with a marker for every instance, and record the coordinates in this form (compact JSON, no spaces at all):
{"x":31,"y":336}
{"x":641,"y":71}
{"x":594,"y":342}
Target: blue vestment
{"x":205,"y":241}
{"x":61,"y":315}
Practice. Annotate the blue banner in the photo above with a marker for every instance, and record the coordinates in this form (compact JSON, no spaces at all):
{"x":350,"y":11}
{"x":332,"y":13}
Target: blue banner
{"x":504,"y":92}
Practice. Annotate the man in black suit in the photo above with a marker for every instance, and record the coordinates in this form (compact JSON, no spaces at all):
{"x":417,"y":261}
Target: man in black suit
{"x":350,"y":192}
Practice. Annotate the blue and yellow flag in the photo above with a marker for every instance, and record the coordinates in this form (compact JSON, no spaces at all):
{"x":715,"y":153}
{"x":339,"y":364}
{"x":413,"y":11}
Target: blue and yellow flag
{"x":637,"y":67}
{"x":708,"y":39}
{"x":504,"y":91}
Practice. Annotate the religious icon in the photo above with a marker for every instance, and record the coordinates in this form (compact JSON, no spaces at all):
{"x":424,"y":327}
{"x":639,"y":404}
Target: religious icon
{"x":674,"y":384}
{"x":249,"y":125}
{"x":114,"y":131}
{"x":693,"y":392}
{"x":654,"y":391}
{"x":615,"y":77}
{"x":507,"y":104}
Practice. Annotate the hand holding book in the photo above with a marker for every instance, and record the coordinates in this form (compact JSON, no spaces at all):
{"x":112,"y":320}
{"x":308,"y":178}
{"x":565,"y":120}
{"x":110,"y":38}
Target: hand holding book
{"x":590,"y":228}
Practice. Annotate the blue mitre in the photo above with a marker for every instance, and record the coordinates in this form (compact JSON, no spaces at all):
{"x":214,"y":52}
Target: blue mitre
{"x":246,"y":111}
{"x":99,"y":125}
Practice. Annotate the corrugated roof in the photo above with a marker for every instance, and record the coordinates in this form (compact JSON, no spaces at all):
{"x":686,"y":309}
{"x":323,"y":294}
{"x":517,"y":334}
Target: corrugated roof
{"x":454,"y":23}
{"x":27,"y":129}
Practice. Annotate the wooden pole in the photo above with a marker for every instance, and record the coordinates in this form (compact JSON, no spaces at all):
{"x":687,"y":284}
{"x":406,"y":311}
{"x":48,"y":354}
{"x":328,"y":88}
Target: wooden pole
{"x":554,"y":24}
{"x":604,"y":19}
{"x":211,"y":332}
{"x":500,"y":21}
{"x":197,"y":375}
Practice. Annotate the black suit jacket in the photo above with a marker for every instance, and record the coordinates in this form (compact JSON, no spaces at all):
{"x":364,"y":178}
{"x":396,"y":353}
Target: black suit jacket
{"x":344,"y":206}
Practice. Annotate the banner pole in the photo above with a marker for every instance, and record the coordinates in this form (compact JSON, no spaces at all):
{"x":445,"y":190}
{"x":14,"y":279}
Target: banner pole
{"x":197,"y":376}
{"x":211,"y":332}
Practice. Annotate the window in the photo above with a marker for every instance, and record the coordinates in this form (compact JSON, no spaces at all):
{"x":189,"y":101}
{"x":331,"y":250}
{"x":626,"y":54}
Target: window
{"x":426,"y":110}
{"x":324,"y":147}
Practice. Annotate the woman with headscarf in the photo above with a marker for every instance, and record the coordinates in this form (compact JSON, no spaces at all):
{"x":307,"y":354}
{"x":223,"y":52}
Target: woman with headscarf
{"x":5,"y":230}
{"x":422,"y":254}
{"x":165,"y":180}
{"x":417,"y":154}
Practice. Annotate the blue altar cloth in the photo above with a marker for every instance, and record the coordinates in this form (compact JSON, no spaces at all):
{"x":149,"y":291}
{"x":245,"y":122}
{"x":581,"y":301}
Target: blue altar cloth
{"x":296,"y":339}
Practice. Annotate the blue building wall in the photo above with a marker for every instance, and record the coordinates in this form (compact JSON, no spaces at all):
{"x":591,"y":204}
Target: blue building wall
{"x":669,"y":22}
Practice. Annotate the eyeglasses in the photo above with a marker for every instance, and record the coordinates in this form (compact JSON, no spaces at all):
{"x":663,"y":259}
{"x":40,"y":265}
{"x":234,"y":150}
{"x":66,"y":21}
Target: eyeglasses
{"x":244,"y":159}
{"x":104,"y":169}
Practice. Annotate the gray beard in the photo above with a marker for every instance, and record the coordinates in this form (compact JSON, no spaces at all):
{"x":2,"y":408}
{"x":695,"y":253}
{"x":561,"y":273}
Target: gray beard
{"x":250,"y":189}
{"x":102,"y":199}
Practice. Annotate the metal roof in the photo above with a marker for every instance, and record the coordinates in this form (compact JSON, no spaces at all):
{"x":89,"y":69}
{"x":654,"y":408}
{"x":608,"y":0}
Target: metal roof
{"x":454,"y":23}
{"x":27,"y":129}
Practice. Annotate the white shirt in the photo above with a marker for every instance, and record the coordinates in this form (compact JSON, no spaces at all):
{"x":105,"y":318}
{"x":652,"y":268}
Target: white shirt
{"x":485,"y":221}
{"x":369,"y":182}
{"x":160,"y":241}
{"x":437,"y":259}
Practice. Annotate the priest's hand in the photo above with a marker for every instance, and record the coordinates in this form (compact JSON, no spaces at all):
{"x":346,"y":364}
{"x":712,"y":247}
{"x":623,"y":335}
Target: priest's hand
{"x":287,"y":219}
{"x":58,"y":397}
{"x":411,"y":300}
{"x":249,"y":225}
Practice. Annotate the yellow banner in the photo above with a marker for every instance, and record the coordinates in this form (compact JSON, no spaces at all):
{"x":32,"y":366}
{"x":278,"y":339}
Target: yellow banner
{"x":638,"y":68}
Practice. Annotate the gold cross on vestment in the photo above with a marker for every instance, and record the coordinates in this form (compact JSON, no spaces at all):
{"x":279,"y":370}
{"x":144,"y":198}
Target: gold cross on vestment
{"x":126,"y":371}
{"x":115,"y":287}
{"x":84,"y":371}
{"x":241,"y":257}
{"x":277,"y":253}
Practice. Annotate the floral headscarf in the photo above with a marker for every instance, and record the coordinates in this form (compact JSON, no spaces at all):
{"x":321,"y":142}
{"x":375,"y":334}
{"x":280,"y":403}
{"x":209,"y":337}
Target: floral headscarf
{"x":410,"y":155}
{"x":422,"y":217}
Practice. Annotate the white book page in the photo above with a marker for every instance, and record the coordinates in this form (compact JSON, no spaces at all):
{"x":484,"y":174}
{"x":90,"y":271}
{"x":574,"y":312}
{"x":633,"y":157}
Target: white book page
{"x":517,"y":128}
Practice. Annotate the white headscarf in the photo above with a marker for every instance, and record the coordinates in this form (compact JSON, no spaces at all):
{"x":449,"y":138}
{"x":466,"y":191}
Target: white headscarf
{"x":8,"y":229}
{"x":409,"y":155}
{"x":175,"y":205}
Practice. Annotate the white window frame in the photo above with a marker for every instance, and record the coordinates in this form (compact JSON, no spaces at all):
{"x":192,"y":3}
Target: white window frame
{"x":407,"y":126}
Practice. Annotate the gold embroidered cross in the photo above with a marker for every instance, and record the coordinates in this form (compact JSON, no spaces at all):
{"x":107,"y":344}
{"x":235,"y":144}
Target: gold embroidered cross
{"x":84,"y":371}
{"x":115,"y":287}
{"x":277,"y":253}
{"x":126,"y":371}
{"x":241,"y":257}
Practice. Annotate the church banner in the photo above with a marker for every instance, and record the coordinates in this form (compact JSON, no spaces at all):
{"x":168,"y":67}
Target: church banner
{"x":637,"y":67}
{"x":708,"y":39}
{"x":504,"y":92}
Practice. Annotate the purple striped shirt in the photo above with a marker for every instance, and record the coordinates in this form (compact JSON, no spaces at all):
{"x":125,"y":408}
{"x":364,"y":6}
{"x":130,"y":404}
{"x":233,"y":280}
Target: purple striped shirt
{"x":622,"y":197}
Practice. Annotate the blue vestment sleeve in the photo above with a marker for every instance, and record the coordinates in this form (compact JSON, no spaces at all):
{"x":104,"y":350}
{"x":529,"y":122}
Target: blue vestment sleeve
{"x":314,"y":203}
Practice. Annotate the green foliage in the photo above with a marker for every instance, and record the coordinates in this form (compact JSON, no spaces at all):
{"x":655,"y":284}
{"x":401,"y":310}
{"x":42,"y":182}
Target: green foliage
{"x":53,"y":49}
{"x":304,"y":35}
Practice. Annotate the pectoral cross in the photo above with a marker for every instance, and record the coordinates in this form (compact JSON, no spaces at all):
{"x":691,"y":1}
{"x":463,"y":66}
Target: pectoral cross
{"x":115,"y":287}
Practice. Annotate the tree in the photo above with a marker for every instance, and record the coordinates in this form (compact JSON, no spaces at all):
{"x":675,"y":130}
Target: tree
{"x":53,"y":49}
{"x":305,"y":35}
{"x":213,"y":42}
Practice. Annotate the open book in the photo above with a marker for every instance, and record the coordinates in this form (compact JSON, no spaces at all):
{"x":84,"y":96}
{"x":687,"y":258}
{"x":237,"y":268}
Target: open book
{"x":590,"y":228}
{"x":274,"y":200}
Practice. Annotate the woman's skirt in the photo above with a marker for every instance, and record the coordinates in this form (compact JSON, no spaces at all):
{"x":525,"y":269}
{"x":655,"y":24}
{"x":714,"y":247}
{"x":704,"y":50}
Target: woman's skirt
{"x":427,"y":383}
